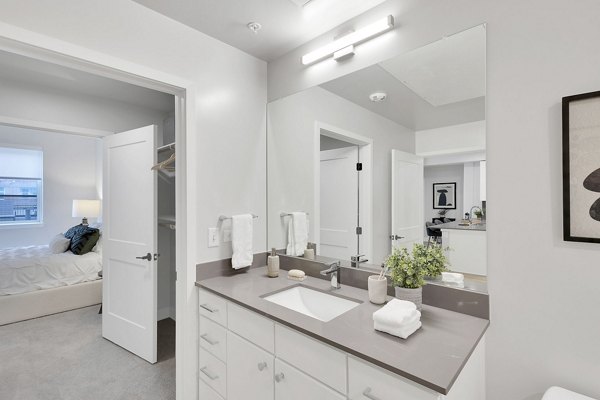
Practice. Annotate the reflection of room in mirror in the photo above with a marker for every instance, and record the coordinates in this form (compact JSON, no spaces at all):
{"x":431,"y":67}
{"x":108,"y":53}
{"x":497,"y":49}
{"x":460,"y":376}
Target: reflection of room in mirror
{"x":433,"y":110}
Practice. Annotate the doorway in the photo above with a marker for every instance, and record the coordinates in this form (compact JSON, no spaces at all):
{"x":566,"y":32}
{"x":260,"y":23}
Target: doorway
{"x":343,"y":195}
{"x":169,"y":86}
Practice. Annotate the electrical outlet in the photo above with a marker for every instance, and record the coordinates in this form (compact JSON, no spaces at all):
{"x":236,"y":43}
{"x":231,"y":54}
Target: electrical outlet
{"x":213,"y":237}
{"x":226,"y":235}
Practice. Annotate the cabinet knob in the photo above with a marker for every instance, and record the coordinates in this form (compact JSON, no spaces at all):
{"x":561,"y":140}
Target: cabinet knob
{"x":262,"y":366}
{"x":209,"y":340}
{"x":279,"y":377}
{"x":368,"y":395}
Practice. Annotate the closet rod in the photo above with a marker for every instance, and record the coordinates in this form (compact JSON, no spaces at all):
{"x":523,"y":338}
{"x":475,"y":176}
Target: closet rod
{"x":170,"y":146}
{"x":223,"y":218}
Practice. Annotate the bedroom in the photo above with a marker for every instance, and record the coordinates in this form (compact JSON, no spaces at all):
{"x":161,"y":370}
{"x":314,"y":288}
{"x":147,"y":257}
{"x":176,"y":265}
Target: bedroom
{"x":52,"y":123}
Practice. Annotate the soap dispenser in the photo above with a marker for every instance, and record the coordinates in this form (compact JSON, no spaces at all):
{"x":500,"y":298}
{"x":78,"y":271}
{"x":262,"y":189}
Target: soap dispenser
{"x":273,"y":264}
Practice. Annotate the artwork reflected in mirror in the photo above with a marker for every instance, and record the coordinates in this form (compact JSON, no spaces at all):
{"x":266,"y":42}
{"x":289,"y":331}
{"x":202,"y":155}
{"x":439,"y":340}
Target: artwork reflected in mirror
{"x":363,"y":155}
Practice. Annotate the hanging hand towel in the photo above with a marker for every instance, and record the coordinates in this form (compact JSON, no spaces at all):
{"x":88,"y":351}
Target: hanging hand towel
{"x":297,"y":234}
{"x":241,"y":241}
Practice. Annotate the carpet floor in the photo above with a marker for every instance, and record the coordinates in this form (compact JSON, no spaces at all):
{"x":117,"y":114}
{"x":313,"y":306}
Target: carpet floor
{"x":64,"y":357}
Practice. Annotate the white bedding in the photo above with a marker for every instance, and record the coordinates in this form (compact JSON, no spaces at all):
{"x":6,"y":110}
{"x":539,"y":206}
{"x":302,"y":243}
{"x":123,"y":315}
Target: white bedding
{"x":25,"y":269}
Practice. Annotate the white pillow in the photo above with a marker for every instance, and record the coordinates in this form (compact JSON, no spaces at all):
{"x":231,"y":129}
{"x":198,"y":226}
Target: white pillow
{"x":59,"y":244}
{"x":98,"y":247}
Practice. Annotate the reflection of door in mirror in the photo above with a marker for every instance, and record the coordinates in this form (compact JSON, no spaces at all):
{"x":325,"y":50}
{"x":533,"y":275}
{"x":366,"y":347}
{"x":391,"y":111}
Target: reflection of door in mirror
{"x":339,"y":201}
{"x":407,"y":199}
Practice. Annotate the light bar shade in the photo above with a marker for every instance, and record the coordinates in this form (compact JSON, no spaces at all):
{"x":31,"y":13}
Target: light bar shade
{"x":86,"y":208}
{"x":368,"y":32}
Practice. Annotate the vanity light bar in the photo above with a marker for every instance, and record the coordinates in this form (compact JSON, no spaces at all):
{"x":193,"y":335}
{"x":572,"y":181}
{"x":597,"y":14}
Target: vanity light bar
{"x":361,"y":35}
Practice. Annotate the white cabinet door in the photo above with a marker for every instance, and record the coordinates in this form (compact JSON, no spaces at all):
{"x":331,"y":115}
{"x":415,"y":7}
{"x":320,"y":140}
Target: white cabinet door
{"x":292,"y":384}
{"x":249,"y":370}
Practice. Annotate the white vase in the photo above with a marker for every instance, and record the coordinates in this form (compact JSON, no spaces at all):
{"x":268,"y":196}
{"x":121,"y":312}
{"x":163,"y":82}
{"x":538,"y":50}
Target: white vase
{"x":413,"y":295}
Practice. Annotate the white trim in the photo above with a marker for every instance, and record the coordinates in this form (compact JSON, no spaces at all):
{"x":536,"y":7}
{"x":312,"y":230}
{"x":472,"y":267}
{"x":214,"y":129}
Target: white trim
{"x":51,"y":127}
{"x":20,"y":41}
{"x":366,"y":185}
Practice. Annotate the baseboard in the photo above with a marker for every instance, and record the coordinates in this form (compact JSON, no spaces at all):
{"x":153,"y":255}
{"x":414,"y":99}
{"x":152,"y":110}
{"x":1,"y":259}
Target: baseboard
{"x":165,"y":312}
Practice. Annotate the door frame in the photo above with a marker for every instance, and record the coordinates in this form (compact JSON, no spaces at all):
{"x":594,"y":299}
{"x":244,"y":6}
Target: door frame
{"x":48,"y":49}
{"x":365,"y":153}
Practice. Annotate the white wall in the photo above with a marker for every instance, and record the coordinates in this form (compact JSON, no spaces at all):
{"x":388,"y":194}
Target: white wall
{"x":69,"y":173}
{"x":543,"y":292}
{"x":462,"y":138}
{"x":37,"y":103}
{"x":291,"y":149}
{"x":443,"y":174}
{"x":225,"y":121}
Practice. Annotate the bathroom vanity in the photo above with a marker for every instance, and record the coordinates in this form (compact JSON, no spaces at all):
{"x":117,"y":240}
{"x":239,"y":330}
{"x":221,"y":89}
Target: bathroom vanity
{"x":467,"y":247}
{"x":253,"y":348}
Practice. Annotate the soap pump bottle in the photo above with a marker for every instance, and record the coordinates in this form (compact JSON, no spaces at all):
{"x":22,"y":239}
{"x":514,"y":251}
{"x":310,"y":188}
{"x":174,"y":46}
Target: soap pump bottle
{"x":273,"y":264}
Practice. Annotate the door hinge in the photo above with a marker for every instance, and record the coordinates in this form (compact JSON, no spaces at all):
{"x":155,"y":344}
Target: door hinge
{"x":359,"y":166}
{"x":359,"y":230}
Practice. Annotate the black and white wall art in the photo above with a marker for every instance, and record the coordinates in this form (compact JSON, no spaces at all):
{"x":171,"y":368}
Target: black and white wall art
{"x":444,"y":195}
{"x":581,"y":167}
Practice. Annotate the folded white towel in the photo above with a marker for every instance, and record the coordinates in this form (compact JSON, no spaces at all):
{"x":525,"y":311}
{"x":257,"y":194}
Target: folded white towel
{"x":453,"y":277}
{"x":403,"y":332}
{"x":241,"y":240}
{"x":397,"y":313}
{"x":297,"y":234}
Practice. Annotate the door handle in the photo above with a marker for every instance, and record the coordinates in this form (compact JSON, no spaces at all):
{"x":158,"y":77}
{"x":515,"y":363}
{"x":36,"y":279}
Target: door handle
{"x":368,"y":395}
{"x":146,"y":257}
{"x":210,"y":375}
{"x":396,"y":237}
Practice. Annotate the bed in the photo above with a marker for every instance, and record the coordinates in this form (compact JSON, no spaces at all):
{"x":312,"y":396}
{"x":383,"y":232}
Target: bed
{"x":34,"y":282}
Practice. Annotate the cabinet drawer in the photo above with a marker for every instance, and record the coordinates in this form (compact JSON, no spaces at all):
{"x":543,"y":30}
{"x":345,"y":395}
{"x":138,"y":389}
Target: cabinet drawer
{"x":292,"y":384}
{"x":212,"y":306}
{"x":317,"y":359}
{"x":251,"y":326}
{"x":212,"y":371}
{"x":367,"y":382}
{"x":213,"y":338}
{"x":249,"y":370}
{"x":206,"y":393}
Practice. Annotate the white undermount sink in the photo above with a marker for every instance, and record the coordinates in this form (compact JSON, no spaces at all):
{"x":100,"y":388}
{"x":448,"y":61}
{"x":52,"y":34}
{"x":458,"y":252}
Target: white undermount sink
{"x":313,"y":303}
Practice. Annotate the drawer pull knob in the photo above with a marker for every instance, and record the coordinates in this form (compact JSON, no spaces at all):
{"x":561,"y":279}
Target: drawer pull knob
{"x":209,"y":340}
{"x":206,"y":372}
{"x":279,"y":377}
{"x":262,"y":366}
{"x":209,"y":308}
{"x":368,"y":395}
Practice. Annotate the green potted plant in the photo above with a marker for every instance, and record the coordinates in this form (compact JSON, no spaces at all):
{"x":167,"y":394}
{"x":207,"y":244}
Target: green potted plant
{"x":408,"y":270}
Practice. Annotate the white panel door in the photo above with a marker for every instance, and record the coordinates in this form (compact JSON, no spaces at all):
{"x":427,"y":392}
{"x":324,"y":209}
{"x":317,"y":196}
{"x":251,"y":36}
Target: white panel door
{"x":129,"y":210}
{"x":408,"y":219}
{"x":339,"y":203}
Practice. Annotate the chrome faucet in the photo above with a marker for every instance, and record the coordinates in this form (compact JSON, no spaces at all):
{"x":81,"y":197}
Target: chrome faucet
{"x":355,"y":261}
{"x":471,"y":212}
{"x":334,"y":269}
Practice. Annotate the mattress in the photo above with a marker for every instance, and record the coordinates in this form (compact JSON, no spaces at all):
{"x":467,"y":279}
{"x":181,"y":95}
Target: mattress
{"x":30,"y":268}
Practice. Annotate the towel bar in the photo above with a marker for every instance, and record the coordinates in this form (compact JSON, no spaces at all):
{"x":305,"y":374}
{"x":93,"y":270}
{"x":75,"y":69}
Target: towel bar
{"x":223,"y":218}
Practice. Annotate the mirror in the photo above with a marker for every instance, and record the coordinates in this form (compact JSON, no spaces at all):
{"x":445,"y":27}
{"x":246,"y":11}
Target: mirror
{"x":374,"y":155}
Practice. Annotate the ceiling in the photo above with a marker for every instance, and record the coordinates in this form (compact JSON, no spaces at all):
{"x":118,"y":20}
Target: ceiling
{"x":31,"y":72}
{"x":285,"y":25}
{"x":438,"y":85}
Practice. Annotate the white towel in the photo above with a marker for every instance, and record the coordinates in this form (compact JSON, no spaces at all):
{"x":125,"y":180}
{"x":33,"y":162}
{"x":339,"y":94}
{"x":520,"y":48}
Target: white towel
{"x":297,"y":234}
{"x":403,"y":332}
{"x":241,"y":240}
{"x":397,"y":313}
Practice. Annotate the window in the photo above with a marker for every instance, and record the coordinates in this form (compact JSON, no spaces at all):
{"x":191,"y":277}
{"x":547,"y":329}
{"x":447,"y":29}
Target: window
{"x":21,"y":180}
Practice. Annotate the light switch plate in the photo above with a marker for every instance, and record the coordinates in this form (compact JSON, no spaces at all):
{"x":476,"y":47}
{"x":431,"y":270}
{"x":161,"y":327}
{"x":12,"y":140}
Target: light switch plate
{"x":226,"y":235}
{"x":213,"y":237}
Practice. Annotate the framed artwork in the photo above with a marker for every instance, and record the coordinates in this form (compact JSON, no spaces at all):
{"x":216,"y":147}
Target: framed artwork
{"x":444,"y":196}
{"x":581,"y":167}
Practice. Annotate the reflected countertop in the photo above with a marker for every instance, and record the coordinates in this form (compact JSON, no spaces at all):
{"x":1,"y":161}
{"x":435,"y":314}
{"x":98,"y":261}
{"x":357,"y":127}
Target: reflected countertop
{"x":481,"y":226}
{"x":445,"y":340}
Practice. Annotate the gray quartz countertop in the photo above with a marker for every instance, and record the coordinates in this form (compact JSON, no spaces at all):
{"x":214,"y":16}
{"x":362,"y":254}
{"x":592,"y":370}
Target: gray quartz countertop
{"x":456,"y":225}
{"x":433,"y":356}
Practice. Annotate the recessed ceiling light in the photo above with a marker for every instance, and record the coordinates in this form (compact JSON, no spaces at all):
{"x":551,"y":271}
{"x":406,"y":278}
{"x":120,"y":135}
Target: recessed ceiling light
{"x":378,"y":97}
{"x":254,"y":26}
